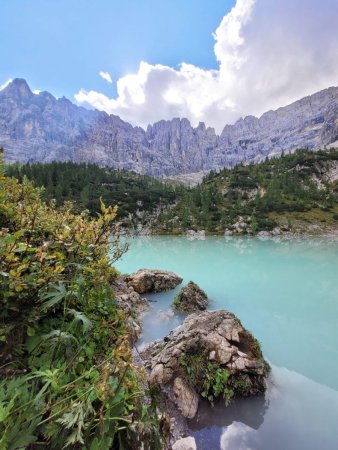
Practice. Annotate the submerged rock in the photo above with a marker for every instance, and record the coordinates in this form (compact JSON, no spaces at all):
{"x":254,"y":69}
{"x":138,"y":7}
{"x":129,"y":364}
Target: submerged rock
{"x":165,"y":315}
{"x":191,"y":298}
{"x":146,"y":280}
{"x":211,"y":355}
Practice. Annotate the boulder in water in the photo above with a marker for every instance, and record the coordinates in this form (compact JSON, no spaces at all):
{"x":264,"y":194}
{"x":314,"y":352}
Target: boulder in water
{"x":146,"y":280}
{"x":211,"y":355}
{"x":191,"y":298}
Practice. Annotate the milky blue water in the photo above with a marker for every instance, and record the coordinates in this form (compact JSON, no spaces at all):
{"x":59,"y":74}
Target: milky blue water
{"x":286,"y":292}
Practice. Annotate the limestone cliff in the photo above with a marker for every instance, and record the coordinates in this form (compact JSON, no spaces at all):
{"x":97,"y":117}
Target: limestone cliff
{"x":39,"y":127}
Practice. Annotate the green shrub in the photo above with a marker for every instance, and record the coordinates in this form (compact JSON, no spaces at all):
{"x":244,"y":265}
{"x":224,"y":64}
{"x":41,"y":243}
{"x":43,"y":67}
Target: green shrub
{"x":67,"y":375}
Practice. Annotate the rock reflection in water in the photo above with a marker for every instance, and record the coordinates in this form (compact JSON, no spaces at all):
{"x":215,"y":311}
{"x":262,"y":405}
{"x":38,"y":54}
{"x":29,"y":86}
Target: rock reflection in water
{"x":249,"y":411}
{"x":208,"y":425}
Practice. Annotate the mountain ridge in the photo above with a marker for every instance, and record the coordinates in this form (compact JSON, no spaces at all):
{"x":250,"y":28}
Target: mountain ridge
{"x":39,"y":127}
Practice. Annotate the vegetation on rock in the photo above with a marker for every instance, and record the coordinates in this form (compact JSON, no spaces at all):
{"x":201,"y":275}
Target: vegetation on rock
{"x":209,"y":380}
{"x":212,"y":355}
{"x":191,"y":298}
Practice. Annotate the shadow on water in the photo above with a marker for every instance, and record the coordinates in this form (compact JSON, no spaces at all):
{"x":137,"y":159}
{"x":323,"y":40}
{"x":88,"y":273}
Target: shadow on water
{"x":249,"y":411}
{"x":209,"y":424}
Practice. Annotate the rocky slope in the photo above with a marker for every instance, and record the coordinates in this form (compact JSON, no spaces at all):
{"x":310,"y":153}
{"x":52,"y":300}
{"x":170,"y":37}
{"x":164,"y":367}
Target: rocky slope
{"x":39,"y":127}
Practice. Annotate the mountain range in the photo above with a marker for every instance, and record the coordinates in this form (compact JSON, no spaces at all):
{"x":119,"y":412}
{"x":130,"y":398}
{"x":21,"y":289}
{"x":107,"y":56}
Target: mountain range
{"x":40,"y":127}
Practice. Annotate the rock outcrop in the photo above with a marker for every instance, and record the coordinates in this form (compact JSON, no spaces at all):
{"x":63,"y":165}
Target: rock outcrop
{"x":39,"y":127}
{"x":146,"y":280}
{"x":132,"y":304}
{"x":210,"y":354}
{"x":186,"y":398}
{"x":191,"y":298}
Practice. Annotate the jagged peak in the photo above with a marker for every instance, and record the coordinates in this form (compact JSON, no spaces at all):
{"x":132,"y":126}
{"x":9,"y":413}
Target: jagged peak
{"x":59,"y":129}
{"x":174,"y":120}
{"x":47,"y":95}
{"x":19,"y":88}
{"x":201,"y":126}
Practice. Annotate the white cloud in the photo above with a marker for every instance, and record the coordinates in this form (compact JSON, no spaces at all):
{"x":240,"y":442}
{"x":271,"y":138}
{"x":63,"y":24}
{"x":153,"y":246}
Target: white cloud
{"x":6,"y":84}
{"x":269,"y":54}
{"x":237,"y":435}
{"x":106,"y":76}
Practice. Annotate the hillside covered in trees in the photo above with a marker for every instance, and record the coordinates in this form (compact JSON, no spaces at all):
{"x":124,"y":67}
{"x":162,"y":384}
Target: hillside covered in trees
{"x":295,"y":192}
{"x":84,"y":185}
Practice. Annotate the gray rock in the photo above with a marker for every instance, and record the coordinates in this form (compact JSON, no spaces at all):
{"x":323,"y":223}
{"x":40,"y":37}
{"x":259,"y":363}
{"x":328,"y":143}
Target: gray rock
{"x":264,"y":234}
{"x":132,"y":304}
{"x":187,"y":443}
{"x":146,"y":280}
{"x":199,"y":235}
{"x":186,"y":398}
{"x":191,"y":298}
{"x":127,"y":298}
{"x":39,"y":127}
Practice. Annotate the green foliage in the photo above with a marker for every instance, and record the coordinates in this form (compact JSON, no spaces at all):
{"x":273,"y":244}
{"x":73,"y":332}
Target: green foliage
{"x":85,"y":184}
{"x":208,"y":379}
{"x":67,"y":376}
{"x":216,"y":384}
{"x":277,"y":192}
{"x":263,"y":195}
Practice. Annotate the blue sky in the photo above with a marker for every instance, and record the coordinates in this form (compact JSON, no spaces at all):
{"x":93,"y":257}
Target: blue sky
{"x":211,"y":61}
{"x":61,"y":45}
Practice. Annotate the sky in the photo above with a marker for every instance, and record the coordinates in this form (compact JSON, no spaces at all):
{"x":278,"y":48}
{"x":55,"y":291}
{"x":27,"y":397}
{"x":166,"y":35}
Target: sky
{"x":211,"y":61}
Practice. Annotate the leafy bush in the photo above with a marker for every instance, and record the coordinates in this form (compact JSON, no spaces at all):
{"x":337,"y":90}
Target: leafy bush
{"x":68,"y":379}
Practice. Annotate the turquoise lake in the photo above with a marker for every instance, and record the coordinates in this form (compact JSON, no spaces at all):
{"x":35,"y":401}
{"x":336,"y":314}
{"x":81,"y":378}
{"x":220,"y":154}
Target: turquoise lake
{"x":285,"y":291}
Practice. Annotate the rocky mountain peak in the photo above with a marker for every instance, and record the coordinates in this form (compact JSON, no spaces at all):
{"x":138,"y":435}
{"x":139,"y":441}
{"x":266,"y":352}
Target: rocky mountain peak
{"x":18,"y":89}
{"x":201,"y":126}
{"x":46,"y":95}
{"x":43,"y":128}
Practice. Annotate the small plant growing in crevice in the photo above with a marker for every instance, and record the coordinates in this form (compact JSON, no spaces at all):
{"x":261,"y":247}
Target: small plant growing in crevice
{"x":216,"y":384}
{"x":209,"y":380}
